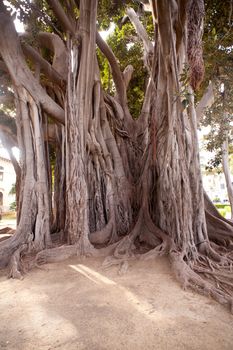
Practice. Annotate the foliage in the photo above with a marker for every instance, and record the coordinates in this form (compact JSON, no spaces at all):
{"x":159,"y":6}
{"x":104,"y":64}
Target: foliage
{"x":218,"y":56}
{"x":13,"y":189}
{"x":224,"y":210}
{"x":13,"y":206}
{"x":129,"y":51}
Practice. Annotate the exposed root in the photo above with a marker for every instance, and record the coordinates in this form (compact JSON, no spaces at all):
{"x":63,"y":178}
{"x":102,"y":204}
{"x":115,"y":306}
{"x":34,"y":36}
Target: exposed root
{"x":16,"y":268}
{"x":146,"y":231}
{"x":220,"y":231}
{"x":7,"y":230}
{"x":68,"y":251}
{"x":122,"y":253}
{"x":124,"y":250}
{"x":56,"y":254}
{"x":213,"y":283}
{"x":160,"y":250}
{"x":122,"y":263}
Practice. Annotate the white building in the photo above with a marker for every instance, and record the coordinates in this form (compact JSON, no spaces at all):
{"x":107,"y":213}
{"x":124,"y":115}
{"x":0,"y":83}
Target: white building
{"x":7,"y":179}
{"x":215,"y":186}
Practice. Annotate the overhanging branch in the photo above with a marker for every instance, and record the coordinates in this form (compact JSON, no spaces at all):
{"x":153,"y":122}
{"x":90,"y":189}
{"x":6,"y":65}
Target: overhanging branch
{"x":206,"y":101}
{"x":61,"y":15}
{"x":20,"y":73}
{"x":116,"y":72}
{"x":44,"y":65}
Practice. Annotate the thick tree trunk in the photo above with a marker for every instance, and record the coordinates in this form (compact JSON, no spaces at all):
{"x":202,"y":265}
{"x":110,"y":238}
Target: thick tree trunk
{"x":59,"y":197}
{"x":227,"y":174}
{"x":33,"y":227}
{"x":178,"y":196}
{"x":78,"y":113}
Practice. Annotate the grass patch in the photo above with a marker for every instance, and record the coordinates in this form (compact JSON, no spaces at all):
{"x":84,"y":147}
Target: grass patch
{"x":11,"y":215}
{"x":223,"y":209}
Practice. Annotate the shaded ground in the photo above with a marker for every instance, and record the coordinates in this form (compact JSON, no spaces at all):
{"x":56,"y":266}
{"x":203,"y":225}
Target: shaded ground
{"x":77,"y":305}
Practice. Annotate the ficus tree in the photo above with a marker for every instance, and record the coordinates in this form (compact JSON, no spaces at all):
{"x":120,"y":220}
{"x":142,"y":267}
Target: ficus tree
{"x":124,"y":186}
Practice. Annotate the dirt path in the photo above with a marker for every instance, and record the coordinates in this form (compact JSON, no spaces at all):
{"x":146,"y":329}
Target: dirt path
{"x":76,"y":305}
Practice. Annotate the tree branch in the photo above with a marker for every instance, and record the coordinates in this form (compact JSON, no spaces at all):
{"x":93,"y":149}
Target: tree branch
{"x":127,"y":74}
{"x":20,"y":73}
{"x":140,"y":30}
{"x":116,"y":72}
{"x":44,"y":65}
{"x":61,"y":15}
{"x":60,"y":58}
{"x":206,"y":101}
{"x":153,"y":10}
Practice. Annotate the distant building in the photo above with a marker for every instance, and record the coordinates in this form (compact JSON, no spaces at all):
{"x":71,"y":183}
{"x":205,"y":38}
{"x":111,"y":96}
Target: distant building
{"x":7,"y":179}
{"x":215,"y":186}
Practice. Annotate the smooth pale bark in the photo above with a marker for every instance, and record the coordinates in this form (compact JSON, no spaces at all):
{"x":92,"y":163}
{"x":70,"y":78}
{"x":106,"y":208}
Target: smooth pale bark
{"x":79,"y":110}
{"x":20,"y":73}
{"x":206,"y":102}
{"x":33,"y":227}
{"x":227,"y":174}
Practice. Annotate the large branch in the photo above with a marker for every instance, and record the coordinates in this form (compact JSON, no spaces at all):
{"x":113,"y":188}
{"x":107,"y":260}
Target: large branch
{"x":55,"y":44}
{"x":227,"y":173}
{"x":153,"y":10}
{"x":140,"y":30}
{"x":61,"y":15}
{"x":21,"y":75}
{"x":127,"y":75}
{"x":206,"y":102}
{"x":116,"y":72}
{"x":60,"y":58}
{"x":45,"y":66}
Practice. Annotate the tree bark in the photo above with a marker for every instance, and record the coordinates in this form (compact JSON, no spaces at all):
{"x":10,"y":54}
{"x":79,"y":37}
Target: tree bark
{"x":227,"y":174}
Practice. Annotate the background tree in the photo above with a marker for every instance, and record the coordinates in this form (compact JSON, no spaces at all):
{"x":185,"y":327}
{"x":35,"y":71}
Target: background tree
{"x":218,"y":36}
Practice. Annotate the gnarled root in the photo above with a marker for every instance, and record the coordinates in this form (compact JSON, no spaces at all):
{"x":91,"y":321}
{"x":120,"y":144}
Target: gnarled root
{"x":124,"y":249}
{"x":219,"y":231}
{"x":16,"y":268}
{"x":67,"y":251}
{"x":56,"y":254}
{"x":213,"y":282}
{"x":146,"y":231}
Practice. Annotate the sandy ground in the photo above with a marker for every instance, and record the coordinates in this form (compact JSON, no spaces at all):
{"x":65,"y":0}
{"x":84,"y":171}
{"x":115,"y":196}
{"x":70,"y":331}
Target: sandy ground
{"x":78,"y":305}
